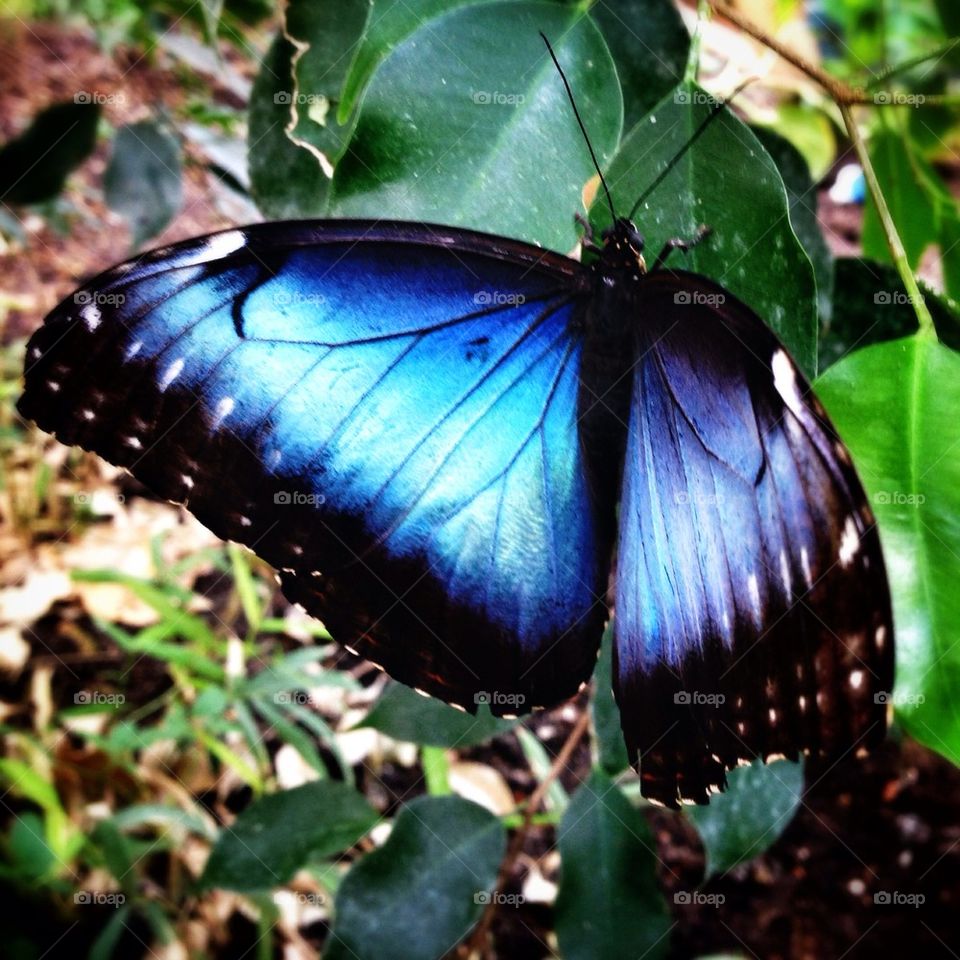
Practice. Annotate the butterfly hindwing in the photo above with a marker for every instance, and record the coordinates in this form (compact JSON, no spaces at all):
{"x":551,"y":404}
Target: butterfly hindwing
{"x":752,"y":613}
{"x":387,"y":413}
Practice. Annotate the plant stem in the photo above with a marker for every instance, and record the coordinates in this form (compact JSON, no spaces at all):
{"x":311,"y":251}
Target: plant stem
{"x":477,"y":941}
{"x":924,"y":320}
{"x":436,"y":771}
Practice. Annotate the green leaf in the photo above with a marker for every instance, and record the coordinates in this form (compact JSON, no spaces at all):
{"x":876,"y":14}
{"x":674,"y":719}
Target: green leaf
{"x":895,"y":405}
{"x":871,"y":305}
{"x":391,"y":23}
{"x":422,"y":891}
{"x":491,"y":143}
{"x":649,"y":45}
{"x":404,"y":714}
{"x":143,"y":179}
{"x":278,"y":833}
{"x":608,"y":736}
{"x":286,"y":180}
{"x":609,"y":904}
{"x":726,"y":181}
{"x":326,"y":36}
{"x":759,"y":803}
{"x":28,"y":848}
{"x":35,"y":166}
{"x":902,"y":175}
{"x":802,"y":197}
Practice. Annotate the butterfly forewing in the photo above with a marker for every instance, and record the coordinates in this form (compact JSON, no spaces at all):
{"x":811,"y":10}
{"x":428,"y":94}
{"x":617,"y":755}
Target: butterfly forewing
{"x":384,"y":412}
{"x":752,"y":609}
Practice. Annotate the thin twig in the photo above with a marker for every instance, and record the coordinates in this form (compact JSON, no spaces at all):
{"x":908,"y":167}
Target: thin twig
{"x":477,"y":941}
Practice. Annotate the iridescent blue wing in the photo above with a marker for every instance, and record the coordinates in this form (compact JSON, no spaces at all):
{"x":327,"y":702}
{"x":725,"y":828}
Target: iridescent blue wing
{"x":752,"y":610}
{"x":385,"y":412}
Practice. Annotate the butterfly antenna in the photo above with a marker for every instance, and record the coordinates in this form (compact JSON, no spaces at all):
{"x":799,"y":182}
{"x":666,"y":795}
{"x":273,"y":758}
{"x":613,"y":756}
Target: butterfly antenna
{"x":707,"y":120}
{"x":583,"y":129}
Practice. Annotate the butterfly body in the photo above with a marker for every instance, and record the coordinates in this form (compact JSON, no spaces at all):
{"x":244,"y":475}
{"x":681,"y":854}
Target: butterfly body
{"x":428,"y":431}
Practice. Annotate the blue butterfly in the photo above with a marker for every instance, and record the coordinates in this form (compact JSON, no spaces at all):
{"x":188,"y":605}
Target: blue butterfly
{"x":427,"y":431}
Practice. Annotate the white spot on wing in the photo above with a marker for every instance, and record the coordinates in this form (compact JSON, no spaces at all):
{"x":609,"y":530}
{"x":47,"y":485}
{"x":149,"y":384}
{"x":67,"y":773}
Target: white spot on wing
{"x":881,"y":636}
{"x":171,"y":373}
{"x":785,"y":380}
{"x":805,"y":563}
{"x":849,"y":542}
{"x":785,"y":574}
{"x":133,"y":349}
{"x":856,"y":679}
{"x":221,"y":245}
{"x":90,"y":314}
{"x":754,"y":588}
{"x":224,"y":409}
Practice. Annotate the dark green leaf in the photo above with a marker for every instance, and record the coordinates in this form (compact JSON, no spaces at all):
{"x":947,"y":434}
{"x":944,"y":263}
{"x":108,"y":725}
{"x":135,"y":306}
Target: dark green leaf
{"x":895,"y":405}
{"x":278,"y":833}
{"x":902,"y":175}
{"x":286,"y":180}
{"x":27,"y":846}
{"x":326,"y":36}
{"x":419,"y":894}
{"x":611,"y":750}
{"x":404,"y":714}
{"x":726,"y":181}
{"x":115,"y":850}
{"x":802,"y":197}
{"x":391,"y":23}
{"x":35,"y":165}
{"x":740,"y":824}
{"x":649,"y":45}
{"x":609,"y":904}
{"x":871,"y":305}
{"x":142,"y":180}
{"x":467,"y":123}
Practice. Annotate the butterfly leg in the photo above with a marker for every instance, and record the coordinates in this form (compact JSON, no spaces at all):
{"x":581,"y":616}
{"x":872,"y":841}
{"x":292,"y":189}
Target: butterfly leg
{"x":588,"y":240}
{"x":679,"y":243}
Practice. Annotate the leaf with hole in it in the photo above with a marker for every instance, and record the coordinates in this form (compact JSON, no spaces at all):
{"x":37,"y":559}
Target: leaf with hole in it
{"x":756,"y":808}
{"x":404,"y":714}
{"x":725,"y":180}
{"x":895,"y":405}
{"x":904,"y":177}
{"x":418,"y":895}
{"x":494,"y":145}
{"x":609,"y":904}
{"x":143,"y":178}
{"x":286,"y":180}
{"x":278,"y":833}
{"x":35,"y":165}
{"x":327,"y":36}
